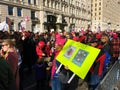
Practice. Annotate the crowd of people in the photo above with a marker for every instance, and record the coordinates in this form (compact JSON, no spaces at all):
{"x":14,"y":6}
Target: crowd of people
{"x":38,"y":51}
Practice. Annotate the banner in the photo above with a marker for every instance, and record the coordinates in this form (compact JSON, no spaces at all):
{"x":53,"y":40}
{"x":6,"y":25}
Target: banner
{"x":78,"y":57}
{"x":4,"y":26}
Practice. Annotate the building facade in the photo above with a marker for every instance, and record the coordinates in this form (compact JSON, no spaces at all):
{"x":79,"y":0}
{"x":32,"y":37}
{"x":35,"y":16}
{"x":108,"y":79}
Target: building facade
{"x":47,"y":14}
{"x":17,"y":10}
{"x":105,"y":15}
{"x":67,"y":14}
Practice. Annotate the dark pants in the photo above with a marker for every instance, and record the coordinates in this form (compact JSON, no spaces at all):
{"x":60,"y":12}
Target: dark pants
{"x":41,"y":85}
{"x":72,"y":85}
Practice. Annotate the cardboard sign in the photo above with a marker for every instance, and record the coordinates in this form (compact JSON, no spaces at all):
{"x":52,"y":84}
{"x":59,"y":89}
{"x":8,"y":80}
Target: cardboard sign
{"x":78,"y":57}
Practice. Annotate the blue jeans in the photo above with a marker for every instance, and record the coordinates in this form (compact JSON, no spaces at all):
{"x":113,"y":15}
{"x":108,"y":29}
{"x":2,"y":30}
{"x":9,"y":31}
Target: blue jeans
{"x":55,"y":83}
{"x":94,"y":79}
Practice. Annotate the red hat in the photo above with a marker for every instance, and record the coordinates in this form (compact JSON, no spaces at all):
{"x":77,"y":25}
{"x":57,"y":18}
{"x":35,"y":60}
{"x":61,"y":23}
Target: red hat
{"x":98,"y":36}
{"x":41,"y":44}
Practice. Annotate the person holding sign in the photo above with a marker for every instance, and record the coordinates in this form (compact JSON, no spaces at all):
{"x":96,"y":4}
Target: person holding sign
{"x":69,"y":82}
{"x":55,"y":82}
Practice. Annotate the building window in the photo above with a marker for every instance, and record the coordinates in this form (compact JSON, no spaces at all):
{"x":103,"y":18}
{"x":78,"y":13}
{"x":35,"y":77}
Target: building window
{"x":95,"y":14}
{"x":99,"y":18}
{"x":19,"y":11}
{"x":29,"y":1}
{"x":32,"y":14}
{"x":10,"y":10}
{"x":99,"y":3}
{"x":51,"y":19}
{"x":34,"y":2}
{"x":95,"y":9}
{"x":99,"y":13}
{"x":95,"y":4}
{"x":99,"y":8}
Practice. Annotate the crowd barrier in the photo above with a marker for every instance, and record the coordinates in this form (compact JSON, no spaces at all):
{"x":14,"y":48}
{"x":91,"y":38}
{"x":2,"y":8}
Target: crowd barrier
{"x":111,"y":79}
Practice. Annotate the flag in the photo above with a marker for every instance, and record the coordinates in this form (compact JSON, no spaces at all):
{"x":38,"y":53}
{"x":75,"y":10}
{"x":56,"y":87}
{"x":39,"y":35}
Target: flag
{"x":23,"y":25}
{"x":27,"y":19}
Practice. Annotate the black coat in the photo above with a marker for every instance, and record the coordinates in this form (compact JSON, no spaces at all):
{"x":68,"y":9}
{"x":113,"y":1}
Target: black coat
{"x":7,"y":79}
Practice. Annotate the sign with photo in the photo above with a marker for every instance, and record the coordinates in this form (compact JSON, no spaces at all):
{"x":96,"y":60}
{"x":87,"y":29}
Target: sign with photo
{"x":78,"y":57}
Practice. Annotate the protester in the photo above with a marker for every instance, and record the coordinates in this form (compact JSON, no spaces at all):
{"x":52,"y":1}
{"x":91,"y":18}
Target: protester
{"x":98,"y":69}
{"x":7,"y":80}
{"x":115,"y":48}
{"x":55,"y":82}
{"x":68,"y":74}
{"x":9,"y":52}
{"x":40,"y":75}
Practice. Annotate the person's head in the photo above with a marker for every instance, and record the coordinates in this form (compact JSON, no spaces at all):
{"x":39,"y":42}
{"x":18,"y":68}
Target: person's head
{"x":41,"y":44}
{"x":8,"y":43}
{"x":104,"y":38}
{"x":59,"y":44}
{"x":58,"y":47}
{"x":94,"y":42}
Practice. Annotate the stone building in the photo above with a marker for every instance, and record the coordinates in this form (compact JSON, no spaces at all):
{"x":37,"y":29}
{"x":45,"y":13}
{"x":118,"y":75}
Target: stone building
{"x":47,"y":14}
{"x":105,"y":14}
{"x":66,"y":14}
{"x":17,"y":10}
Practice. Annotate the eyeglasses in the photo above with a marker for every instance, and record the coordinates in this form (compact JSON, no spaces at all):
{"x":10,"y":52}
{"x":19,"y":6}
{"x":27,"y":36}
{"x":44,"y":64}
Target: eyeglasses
{"x":103,"y":38}
{"x":4,"y":45}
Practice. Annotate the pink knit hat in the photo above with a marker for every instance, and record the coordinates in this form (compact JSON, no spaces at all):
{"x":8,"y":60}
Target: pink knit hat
{"x":60,"y":41}
{"x":115,"y":35}
{"x":75,"y":38}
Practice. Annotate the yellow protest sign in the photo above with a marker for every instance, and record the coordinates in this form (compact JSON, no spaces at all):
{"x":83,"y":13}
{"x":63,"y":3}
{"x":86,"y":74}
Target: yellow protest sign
{"x":78,"y":57}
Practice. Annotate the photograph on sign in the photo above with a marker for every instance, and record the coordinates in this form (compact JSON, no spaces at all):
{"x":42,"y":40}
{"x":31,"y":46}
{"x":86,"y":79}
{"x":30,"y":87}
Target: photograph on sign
{"x":80,"y":57}
{"x":69,"y":52}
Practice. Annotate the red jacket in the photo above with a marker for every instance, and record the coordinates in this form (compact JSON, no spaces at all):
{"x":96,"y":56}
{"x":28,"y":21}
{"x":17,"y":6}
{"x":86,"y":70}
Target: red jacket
{"x":39,"y":51}
{"x":97,"y":67}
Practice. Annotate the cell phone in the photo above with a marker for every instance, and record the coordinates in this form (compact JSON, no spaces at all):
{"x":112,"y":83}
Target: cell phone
{"x":2,"y":51}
